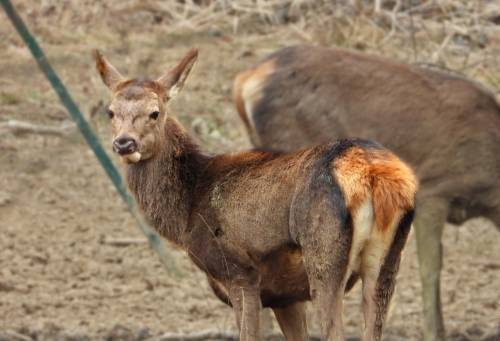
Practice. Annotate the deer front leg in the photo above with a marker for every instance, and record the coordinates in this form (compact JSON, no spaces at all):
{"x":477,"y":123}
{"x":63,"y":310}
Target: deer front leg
{"x":429,"y":222}
{"x":246,"y":304}
{"x":292,"y":321}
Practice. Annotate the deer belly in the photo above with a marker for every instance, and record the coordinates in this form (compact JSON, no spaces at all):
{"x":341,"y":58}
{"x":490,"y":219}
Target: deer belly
{"x":283,"y":278}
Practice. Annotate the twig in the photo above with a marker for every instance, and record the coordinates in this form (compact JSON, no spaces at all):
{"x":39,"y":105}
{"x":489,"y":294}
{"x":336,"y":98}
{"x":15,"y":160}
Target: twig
{"x":429,"y":5}
{"x":394,"y":21}
{"x":302,"y":33}
{"x":413,"y":39}
{"x":20,"y":127}
{"x":436,"y":56}
{"x":124,"y":241}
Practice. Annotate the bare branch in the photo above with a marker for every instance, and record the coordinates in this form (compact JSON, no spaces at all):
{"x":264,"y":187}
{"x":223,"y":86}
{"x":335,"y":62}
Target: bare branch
{"x":14,"y":336}
{"x":21,"y":127}
{"x":121,"y":242}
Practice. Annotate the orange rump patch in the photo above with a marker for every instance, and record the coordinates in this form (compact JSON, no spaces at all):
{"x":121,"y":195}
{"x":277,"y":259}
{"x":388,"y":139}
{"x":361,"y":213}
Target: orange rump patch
{"x":379,"y":173}
{"x":394,"y":187}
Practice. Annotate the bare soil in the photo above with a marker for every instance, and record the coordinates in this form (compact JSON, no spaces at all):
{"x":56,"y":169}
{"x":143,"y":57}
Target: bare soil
{"x":60,"y":276}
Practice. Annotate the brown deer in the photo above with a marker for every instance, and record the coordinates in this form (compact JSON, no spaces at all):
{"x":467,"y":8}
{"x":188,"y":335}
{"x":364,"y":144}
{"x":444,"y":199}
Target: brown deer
{"x":445,"y":126}
{"x":269,"y":229}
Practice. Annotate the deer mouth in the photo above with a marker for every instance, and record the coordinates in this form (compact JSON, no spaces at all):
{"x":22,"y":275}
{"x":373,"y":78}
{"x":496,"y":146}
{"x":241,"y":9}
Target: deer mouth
{"x":131,"y":157}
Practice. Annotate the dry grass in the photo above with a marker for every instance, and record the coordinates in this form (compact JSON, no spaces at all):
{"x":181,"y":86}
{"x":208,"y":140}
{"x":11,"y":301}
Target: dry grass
{"x":459,"y":35}
{"x":455,"y":35}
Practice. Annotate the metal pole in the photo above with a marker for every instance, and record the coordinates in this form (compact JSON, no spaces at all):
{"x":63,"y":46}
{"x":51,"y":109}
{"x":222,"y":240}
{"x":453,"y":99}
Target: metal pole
{"x":87,"y":132}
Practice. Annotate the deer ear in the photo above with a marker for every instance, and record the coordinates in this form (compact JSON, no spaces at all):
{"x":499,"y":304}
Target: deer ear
{"x":110,"y":76}
{"x":174,"y":80}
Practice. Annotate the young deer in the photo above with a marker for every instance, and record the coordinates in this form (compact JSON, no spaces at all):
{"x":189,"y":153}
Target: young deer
{"x":268,"y":229}
{"x":447,"y":127}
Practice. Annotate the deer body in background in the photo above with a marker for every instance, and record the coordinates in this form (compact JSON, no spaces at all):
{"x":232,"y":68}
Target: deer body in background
{"x":445,"y":126}
{"x":268,"y":229}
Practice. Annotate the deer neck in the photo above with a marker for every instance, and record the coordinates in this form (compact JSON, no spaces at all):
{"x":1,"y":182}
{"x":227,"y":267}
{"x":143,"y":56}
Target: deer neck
{"x":164,"y":185}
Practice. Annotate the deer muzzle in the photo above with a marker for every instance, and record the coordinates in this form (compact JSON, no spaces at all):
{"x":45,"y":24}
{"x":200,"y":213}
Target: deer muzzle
{"x":124,"y":145}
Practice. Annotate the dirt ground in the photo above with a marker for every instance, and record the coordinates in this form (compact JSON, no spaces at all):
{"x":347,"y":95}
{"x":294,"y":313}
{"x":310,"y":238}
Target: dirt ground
{"x":61,"y":276}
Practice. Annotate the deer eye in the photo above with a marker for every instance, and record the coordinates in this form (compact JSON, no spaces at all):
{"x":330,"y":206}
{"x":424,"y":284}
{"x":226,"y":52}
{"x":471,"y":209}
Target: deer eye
{"x":154,"y":115}
{"x":110,"y":114}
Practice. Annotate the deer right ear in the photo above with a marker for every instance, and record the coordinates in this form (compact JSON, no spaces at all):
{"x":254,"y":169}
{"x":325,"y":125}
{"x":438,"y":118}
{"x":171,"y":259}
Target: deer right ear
{"x":109,"y":74}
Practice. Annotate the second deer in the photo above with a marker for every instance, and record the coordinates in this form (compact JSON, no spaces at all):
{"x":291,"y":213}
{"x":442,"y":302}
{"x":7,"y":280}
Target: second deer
{"x":446,"y":126}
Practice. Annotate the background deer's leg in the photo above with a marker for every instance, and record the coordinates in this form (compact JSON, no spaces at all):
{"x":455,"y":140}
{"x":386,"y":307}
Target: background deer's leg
{"x":266,"y":322}
{"x":378,"y":270}
{"x":429,"y":223}
{"x":247,"y":305}
{"x":292,"y":321}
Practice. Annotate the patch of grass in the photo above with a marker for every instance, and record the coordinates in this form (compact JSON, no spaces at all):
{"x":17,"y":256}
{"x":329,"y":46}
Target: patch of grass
{"x":493,"y":80}
{"x":35,"y":96}
{"x":9,"y":98}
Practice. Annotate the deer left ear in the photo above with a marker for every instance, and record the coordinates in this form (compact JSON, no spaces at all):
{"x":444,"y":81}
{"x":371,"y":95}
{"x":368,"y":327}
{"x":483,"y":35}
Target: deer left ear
{"x":109,"y":74}
{"x":174,"y":80}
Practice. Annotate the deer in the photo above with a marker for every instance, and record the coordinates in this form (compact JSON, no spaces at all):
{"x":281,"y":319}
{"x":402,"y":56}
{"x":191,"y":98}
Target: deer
{"x":445,"y":126}
{"x":269,"y":229}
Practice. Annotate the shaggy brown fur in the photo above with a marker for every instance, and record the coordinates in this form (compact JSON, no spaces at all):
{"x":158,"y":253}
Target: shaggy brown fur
{"x":268,"y":229}
{"x":445,"y":126}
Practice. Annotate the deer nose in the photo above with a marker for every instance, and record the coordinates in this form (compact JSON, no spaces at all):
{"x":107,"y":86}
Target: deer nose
{"x":124,"y":145}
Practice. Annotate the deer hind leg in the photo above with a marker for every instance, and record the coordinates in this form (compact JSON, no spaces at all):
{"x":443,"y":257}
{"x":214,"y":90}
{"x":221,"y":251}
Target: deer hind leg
{"x":326,"y":247}
{"x":292,"y":321}
{"x":322,"y":226}
{"x":379,"y":266}
{"x":328,"y":274}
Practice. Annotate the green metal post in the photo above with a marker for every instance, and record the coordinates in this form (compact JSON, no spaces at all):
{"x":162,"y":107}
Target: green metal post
{"x":87,"y":132}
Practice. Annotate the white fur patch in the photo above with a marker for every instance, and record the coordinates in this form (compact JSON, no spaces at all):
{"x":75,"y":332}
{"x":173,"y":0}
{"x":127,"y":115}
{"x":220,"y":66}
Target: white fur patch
{"x":363,"y":226}
{"x":376,"y":249}
{"x":133,"y":158}
{"x":251,"y":93}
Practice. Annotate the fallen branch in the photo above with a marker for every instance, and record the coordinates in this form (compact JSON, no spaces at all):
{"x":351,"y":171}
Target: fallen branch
{"x":217,"y":335}
{"x":14,"y":336}
{"x":20,"y":127}
{"x":198,"y":336}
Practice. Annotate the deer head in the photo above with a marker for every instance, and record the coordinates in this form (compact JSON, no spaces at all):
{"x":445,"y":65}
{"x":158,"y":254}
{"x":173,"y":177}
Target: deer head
{"x":138,"y":106}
